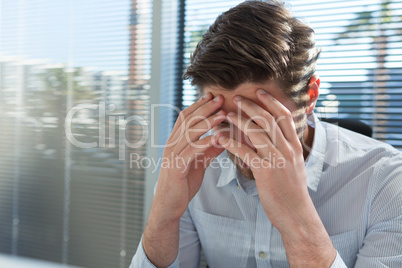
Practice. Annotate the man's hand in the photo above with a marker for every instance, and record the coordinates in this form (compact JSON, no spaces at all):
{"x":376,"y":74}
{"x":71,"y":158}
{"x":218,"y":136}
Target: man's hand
{"x":185,"y":159}
{"x":275,"y":158}
{"x":181,"y":177}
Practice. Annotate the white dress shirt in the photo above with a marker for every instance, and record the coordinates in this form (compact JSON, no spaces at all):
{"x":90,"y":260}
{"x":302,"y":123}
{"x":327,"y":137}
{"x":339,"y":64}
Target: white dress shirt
{"x":355,"y":183}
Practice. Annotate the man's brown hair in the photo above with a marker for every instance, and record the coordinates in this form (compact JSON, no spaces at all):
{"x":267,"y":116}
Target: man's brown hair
{"x":256,"y":41}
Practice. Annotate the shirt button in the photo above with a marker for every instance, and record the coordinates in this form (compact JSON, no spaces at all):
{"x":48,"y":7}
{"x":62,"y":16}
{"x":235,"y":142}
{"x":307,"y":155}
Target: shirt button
{"x":262,"y":254}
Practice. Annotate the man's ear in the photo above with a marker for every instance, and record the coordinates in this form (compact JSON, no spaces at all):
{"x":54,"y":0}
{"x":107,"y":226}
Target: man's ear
{"x":313,"y":93}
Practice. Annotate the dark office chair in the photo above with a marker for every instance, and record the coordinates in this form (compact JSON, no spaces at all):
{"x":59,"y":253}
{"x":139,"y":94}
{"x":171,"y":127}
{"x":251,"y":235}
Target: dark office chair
{"x":351,"y":124}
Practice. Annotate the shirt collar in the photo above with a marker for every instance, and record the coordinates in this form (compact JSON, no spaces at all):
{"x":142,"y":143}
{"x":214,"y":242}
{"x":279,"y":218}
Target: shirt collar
{"x":314,"y":162}
{"x":228,"y":169}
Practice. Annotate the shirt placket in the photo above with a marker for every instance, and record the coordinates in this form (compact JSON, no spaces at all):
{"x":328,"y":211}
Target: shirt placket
{"x":262,"y":238}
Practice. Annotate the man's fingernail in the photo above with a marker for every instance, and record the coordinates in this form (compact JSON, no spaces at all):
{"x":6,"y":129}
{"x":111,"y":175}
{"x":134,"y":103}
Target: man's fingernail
{"x":262,"y":92}
{"x":216,"y":99}
{"x":238,"y":98}
{"x":231,"y":114}
{"x":220,"y":112}
{"x":205,"y":96}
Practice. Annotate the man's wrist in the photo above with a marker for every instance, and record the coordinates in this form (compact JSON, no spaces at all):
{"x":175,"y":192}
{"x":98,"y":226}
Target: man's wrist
{"x":307,"y":242}
{"x":309,"y":248}
{"x":309,"y":253}
{"x":161,"y":242}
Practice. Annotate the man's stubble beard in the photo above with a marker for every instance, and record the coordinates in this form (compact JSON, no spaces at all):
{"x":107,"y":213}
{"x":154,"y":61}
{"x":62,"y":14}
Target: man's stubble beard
{"x":245,"y":170}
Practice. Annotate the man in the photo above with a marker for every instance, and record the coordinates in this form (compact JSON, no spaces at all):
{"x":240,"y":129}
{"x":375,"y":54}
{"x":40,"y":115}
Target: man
{"x":296,"y":192}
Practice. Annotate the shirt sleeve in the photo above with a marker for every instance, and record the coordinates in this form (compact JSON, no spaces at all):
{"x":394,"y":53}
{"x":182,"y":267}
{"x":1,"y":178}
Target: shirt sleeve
{"x":190,"y":248}
{"x":338,"y":262}
{"x":140,"y":259}
{"x":382,"y":245}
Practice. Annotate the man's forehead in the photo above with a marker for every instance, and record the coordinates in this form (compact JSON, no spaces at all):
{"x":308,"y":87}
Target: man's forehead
{"x":247,"y":87}
{"x":248,"y":90}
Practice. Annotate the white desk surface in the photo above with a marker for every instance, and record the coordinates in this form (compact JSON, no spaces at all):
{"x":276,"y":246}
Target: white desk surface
{"x":8,"y":261}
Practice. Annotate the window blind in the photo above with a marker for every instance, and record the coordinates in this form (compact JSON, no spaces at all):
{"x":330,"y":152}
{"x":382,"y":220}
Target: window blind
{"x":361,"y":63}
{"x":360,"y":66}
{"x":172,"y":30}
{"x":74,"y":77}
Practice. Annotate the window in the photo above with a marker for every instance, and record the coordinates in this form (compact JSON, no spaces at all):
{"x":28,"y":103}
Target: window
{"x":361,"y":63}
{"x":360,"y":66}
{"x":74,"y":77}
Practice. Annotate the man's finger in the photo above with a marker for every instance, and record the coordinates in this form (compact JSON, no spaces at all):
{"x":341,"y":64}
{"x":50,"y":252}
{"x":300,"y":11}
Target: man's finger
{"x":201,"y":113}
{"x":244,"y":152}
{"x":282,"y":115}
{"x":192,"y":135}
{"x":189,"y":110}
